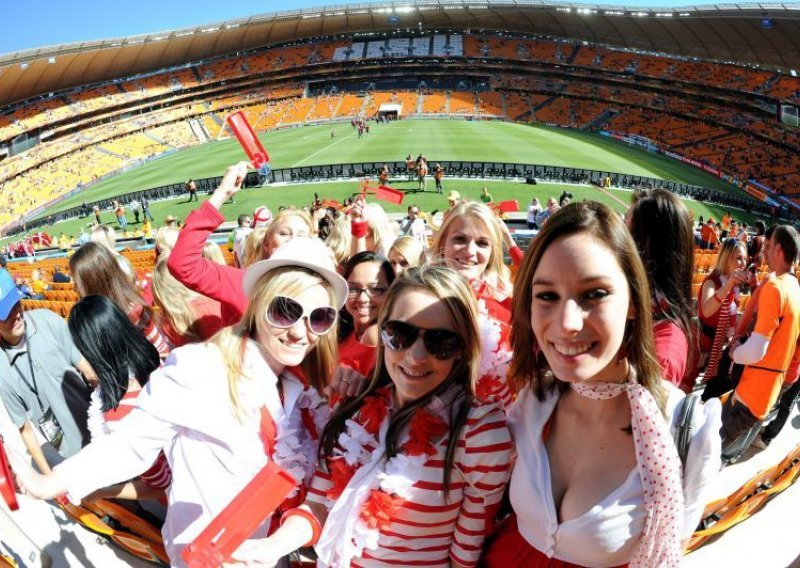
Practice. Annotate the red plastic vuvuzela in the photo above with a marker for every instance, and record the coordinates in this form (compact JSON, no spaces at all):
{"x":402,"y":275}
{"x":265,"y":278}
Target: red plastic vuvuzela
{"x":248,"y":139}
{"x":7,"y":481}
{"x":238,"y":521}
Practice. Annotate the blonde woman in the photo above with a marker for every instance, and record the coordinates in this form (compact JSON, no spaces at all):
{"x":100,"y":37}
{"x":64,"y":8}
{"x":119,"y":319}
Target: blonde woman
{"x":103,"y":235}
{"x":166,"y":237}
{"x":257,"y":401}
{"x":406,"y":252}
{"x":185,"y":316}
{"x":470,"y":240}
{"x":414,"y":467}
{"x":224,"y":283}
{"x":211,"y":252}
{"x":718,"y":300}
{"x":252,"y":250}
{"x":339,"y":239}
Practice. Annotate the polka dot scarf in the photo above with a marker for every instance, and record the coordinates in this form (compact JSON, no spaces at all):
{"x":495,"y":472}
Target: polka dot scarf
{"x":659,"y":469}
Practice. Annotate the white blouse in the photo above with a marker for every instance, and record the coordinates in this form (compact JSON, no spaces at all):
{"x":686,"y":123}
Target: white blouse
{"x":607,"y":534}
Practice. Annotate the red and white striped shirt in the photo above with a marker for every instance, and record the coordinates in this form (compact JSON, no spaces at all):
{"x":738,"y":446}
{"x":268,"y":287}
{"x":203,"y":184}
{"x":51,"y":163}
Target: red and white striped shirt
{"x":431,"y":529}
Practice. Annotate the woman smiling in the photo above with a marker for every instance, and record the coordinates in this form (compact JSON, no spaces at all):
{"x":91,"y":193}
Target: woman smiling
{"x":598,"y":480}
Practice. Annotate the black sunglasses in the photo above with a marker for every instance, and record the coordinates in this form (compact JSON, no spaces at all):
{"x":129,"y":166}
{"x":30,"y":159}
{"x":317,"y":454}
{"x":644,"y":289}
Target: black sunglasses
{"x":285,"y":312}
{"x":442,"y":344}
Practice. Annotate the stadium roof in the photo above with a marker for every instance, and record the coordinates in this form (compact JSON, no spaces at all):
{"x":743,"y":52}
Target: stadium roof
{"x":765,"y":34}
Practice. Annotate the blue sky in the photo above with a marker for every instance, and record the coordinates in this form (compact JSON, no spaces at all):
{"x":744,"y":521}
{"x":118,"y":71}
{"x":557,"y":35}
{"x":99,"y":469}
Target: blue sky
{"x":49,"y":22}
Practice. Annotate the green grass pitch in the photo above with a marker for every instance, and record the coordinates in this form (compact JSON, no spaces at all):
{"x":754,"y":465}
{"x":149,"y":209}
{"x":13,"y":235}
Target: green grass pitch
{"x":438,"y":139}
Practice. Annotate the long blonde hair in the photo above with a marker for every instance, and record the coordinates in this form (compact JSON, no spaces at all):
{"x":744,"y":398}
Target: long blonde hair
{"x":319,"y":363}
{"x":251,"y":252}
{"x":211,"y":252}
{"x":278,"y":220}
{"x":725,"y":253}
{"x":173,"y":299}
{"x":496,"y":273}
{"x":384,"y":231}
{"x":410,"y":248}
{"x":339,"y":239}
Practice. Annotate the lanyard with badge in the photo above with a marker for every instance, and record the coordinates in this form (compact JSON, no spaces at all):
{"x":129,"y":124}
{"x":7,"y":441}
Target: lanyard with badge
{"x":47,"y":422}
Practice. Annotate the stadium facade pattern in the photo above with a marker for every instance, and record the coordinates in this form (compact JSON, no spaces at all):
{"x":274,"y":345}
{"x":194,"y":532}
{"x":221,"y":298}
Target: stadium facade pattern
{"x":765,"y":36}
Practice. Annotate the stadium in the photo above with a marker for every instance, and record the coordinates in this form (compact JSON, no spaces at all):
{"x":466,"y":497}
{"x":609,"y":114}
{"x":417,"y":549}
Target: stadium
{"x":530,"y":99}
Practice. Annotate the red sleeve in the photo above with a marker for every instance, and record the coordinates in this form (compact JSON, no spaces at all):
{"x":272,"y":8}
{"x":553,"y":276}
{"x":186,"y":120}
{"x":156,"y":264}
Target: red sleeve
{"x":187,"y":265}
{"x":516,"y":254}
{"x":672,"y":351}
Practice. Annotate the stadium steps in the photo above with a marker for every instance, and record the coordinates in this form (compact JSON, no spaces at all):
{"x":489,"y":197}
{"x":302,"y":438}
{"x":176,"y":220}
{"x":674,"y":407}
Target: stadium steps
{"x":121,"y":89}
{"x":571,"y":57}
{"x":420,"y":98}
{"x":447,"y":102}
{"x":216,"y":118}
{"x":108,"y":152}
{"x":600,"y":120}
{"x":199,"y":130}
{"x":155,"y":138}
{"x":705,"y":141}
{"x":503,"y":105}
{"x":537,"y":108}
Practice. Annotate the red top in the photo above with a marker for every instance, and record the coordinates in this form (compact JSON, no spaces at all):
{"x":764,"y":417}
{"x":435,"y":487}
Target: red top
{"x":357,"y":355}
{"x":187,"y":265}
{"x":672,"y":351}
{"x":712,"y":321}
{"x":208,"y":321}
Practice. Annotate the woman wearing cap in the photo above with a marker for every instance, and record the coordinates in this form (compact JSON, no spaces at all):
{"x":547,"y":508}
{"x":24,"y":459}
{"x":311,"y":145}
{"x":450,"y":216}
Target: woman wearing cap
{"x":223,"y":409}
{"x":471,"y":241}
{"x":597,"y":480}
{"x":414,"y":467}
{"x":224,"y":283}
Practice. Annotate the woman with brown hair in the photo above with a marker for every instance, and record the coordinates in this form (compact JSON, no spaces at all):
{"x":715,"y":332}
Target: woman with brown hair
{"x":598,"y":480}
{"x":96,"y":271}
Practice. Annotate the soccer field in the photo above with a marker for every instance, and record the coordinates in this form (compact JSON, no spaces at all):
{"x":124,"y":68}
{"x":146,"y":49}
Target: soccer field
{"x":437,"y":139}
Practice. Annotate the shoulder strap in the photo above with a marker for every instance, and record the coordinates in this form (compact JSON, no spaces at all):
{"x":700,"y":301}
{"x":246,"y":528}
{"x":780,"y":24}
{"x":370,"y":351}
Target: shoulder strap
{"x":683,"y":429}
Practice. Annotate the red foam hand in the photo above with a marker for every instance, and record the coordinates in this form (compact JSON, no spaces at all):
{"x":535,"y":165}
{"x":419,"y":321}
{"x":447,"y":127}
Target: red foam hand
{"x":248,"y":139}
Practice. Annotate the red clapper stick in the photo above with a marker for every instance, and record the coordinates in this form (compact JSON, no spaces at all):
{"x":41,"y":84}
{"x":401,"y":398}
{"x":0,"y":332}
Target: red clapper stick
{"x":510,"y":206}
{"x":7,"y":481}
{"x":248,"y":139}
{"x":238,"y":521}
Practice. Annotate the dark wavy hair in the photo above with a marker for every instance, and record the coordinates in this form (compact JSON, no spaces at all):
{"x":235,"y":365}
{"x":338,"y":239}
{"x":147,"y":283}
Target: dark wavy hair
{"x":529,"y":367}
{"x":661,"y":227}
{"x":112,"y":345}
{"x":346,"y":326}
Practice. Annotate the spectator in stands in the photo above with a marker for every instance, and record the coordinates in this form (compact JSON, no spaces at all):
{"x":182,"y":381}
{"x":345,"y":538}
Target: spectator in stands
{"x":105,"y":236}
{"x":98,"y":329}
{"x":534,"y":209}
{"x":59,"y":277}
{"x":486,"y":197}
{"x":184,"y":316}
{"x":370,"y":228}
{"x":755,"y":248}
{"x":470,"y":240}
{"x":191,"y":188}
{"x":453,"y":199}
{"x":661,"y":227}
{"x":38,"y":284}
{"x":767,"y":354}
{"x":222,"y":408}
{"x":40,"y":385}
{"x":717,"y":304}
{"x":708,"y":235}
{"x":422,"y":384}
{"x":96,"y":271}
{"x":593,"y":406}
{"x":414,"y":226}
{"x":406,"y":252}
{"x":239,"y":234}
{"x":224,"y":283}
{"x":552,"y":207}
{"x":368,"y":276}
{"x":171,"y":221}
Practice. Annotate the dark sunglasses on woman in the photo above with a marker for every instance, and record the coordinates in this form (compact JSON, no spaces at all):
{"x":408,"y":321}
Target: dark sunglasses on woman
{"x":285,"y":312}
{"x":442,"y":344}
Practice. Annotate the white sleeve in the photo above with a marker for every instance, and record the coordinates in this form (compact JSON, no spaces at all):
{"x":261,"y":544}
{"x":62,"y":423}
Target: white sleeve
{"x":752,"y":350}
{"x":703,"y":462}
{"x":122,"y":455}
